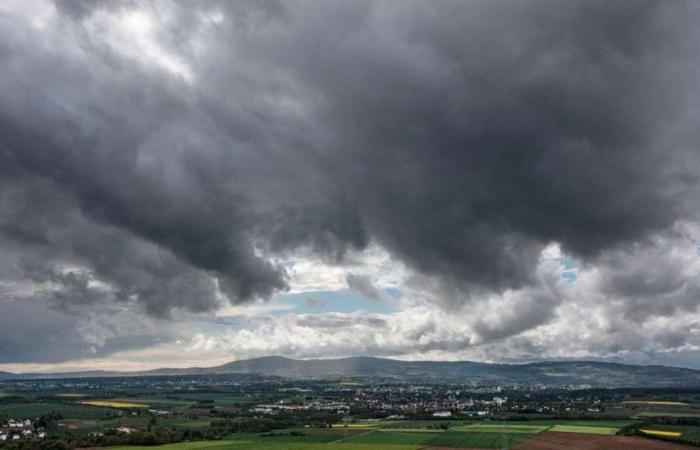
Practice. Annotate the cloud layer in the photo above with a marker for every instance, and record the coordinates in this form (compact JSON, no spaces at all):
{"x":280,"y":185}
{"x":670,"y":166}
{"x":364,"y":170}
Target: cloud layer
{"x":172,"y":159}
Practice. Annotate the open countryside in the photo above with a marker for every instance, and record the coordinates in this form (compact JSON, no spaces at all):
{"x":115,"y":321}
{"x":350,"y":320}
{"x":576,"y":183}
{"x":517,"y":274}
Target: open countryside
{"x":253,"y":412}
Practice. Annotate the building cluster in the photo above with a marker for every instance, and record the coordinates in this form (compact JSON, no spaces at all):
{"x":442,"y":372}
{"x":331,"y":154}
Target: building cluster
{"x":282,"y":406}
{"x":13,"y":430}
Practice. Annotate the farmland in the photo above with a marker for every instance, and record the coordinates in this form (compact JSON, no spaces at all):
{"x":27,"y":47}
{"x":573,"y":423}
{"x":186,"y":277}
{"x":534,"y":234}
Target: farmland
{"x":33,"y":410}
{"x":257,"y":445}
{"x":113,"y":404}
{"x":252,"y":413}
{"x":584,"y":429}
{"x":475,"y":435}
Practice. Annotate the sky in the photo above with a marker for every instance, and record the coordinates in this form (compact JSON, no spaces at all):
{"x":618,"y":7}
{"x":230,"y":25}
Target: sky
{"x":190,"y":183}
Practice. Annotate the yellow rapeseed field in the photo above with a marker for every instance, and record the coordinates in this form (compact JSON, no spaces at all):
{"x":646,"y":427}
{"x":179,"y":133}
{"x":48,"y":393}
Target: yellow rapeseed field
{"x":660,"y":433}
{"x":654,"y":402}
{"x":113,"y":404}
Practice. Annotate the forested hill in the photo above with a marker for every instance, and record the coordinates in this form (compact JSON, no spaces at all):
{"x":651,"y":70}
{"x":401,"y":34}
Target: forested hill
{"x":596,"y":374}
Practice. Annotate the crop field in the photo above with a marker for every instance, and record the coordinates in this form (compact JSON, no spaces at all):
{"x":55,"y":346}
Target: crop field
{"x":154,"y":402}
{"x":654,"y":403}
{"x":617,"y":424}
{"x":474,"y":435}
{"x":68,"y":410}
{"x":510,"y":428}
{"x":605,"y":431}
{"x":261,"y":445}
{"x":423,"y":424}
{"x":113,"y":404}
{"x":659,"y":408}
{"x":191,"y":424}
{"x":391,"y":437}
{"x":688,"y":432}
{"x":662,"y":433}
{"x":569,"y":441}
{"x":357,"y":425}
{"x":457,"y":439}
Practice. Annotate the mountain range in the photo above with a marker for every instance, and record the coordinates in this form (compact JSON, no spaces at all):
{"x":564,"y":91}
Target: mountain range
{"x":593,"y":373}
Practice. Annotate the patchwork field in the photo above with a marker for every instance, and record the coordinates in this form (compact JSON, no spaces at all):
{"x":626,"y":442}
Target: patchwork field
{"x":370,"y":436}
{"x":210,"y":420}
{"x":657,"y":408}
{"x":552,"y":440}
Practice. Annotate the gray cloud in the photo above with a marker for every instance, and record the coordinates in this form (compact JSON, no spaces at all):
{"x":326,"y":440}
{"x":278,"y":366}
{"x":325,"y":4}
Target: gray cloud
{"x":316,"y":302}
{"x":363,"y":285}
{"x":32,"y":332}
{"x":647,"y":281}
{"x":462,"y":137}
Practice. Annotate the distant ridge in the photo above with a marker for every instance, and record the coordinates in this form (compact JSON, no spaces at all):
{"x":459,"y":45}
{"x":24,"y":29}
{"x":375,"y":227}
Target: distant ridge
{"x":595,"y":374}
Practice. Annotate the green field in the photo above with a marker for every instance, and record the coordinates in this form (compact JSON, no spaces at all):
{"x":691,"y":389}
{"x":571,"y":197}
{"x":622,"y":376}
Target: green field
{"x":668,"y":414}
{"x":68,"y":410}
{"x":391,"y":437}
{"x":581,"y":423}
{"x":475,"y":439}
{"x":262,"y":445}
{"x":506,"y":427}
{"x":585,"y":430}
{"x":491,"y":435}
{"x":154,"y":402}
{"x":181,"y":423}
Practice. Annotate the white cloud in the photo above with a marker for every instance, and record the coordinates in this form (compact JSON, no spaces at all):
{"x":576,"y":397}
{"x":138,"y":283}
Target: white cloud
{"x":310,"y":274}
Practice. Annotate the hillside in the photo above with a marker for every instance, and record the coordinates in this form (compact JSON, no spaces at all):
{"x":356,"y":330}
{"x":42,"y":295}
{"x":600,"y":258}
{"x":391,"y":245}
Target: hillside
{"x":559,"y":372}
{"x":599,"y":374}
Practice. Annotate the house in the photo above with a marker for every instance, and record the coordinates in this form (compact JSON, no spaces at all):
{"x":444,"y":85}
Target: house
{"x":442,"y":414}
{"x":499,"y":401}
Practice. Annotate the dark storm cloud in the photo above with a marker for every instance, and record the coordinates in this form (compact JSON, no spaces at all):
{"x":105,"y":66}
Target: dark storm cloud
{"x":658,"y":279}
{"x":506,"y":128}
{"x":31,"y":332}
{"x":46,"y":240}
{"x":461,"y":136}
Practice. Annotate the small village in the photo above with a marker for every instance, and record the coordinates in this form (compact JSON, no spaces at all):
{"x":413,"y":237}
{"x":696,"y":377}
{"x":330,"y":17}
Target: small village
{"x":14,"y":430}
